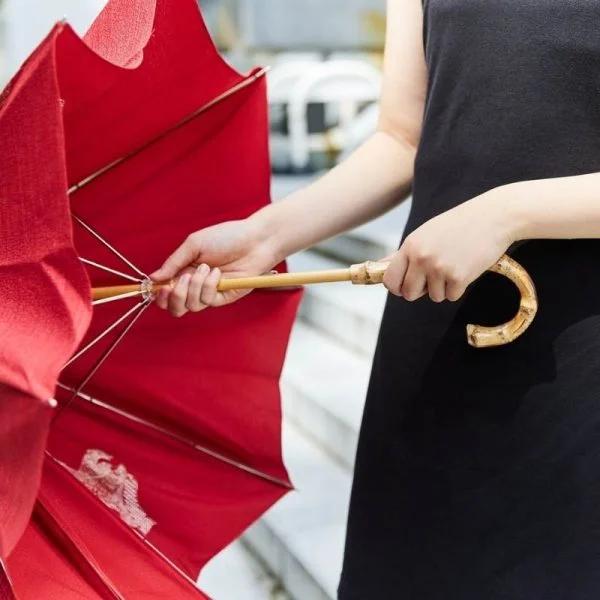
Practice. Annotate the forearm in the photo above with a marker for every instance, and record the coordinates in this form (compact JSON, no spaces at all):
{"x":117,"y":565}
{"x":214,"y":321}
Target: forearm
{"x":370,"y":182}
{"x":557,"y":208}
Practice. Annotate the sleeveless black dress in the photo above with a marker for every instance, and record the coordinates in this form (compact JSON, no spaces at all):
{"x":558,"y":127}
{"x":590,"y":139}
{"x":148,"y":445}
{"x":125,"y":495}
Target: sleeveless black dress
{"x":478,"y":471}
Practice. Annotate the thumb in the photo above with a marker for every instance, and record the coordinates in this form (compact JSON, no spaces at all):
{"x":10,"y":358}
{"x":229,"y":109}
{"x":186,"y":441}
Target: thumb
{"x":181,"y":258}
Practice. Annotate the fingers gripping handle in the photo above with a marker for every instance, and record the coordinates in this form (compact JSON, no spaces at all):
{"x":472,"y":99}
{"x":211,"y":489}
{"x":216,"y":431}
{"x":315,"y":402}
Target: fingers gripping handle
{"x":486,"y":337}
{"x":478,"y":336}
{"x":371,"y":273}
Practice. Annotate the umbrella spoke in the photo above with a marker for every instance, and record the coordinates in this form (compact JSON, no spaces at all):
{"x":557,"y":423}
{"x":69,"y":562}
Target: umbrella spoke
{"x":105,"y":333}
{"x":106,"y":244}
{"x":109,"y":270}
{"x":177,"y":437}
{"x":139,"y":309}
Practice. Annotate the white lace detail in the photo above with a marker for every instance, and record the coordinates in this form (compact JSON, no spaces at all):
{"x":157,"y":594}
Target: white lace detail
{"x":115,"y":487}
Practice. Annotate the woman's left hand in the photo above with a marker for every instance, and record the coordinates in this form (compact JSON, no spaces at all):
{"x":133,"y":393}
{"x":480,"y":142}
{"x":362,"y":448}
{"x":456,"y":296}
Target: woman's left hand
{"x":446,"y":254}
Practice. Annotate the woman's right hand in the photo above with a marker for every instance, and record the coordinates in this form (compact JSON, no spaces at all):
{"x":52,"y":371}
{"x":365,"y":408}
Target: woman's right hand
{"x":236,"y":248}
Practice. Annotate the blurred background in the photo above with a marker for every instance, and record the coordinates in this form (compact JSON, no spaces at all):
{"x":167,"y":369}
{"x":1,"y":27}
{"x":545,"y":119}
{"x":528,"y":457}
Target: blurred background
{"x":323,"y":99}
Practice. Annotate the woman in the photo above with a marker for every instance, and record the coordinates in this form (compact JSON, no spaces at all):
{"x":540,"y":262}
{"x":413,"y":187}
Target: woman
{"x":478,"y":471}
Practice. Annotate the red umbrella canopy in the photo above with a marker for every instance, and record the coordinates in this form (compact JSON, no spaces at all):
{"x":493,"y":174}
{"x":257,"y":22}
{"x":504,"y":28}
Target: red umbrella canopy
{"x":44,"y":289}
{"x":168,"y":431}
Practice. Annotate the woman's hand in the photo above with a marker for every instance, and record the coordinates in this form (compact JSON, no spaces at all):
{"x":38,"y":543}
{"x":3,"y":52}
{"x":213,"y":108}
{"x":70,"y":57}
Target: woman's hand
{"x":236,"y":248}
{"x":446,"y":254}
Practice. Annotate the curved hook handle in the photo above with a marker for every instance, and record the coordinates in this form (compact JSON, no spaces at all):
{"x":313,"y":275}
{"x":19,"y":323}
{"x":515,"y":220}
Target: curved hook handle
{"x":485,"y":337}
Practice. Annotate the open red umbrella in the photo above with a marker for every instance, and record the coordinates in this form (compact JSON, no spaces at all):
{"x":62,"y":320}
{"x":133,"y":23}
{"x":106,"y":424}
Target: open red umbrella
{"x":44,"y":291}
{"x":166,"y":443}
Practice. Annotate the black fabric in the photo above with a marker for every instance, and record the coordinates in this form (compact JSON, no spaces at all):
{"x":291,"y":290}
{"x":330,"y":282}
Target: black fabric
{"x":478,"y":471}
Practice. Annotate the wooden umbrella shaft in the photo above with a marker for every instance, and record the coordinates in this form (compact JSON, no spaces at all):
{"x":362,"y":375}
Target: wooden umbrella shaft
{"x":365,"y":274}
{"x":236,"y":283}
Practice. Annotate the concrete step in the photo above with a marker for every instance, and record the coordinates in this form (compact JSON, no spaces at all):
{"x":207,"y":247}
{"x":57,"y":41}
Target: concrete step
{"x":301,"y":539}
{"x":350,"y":314}
{"x":235,"y":574}
{"x":324,"y":387}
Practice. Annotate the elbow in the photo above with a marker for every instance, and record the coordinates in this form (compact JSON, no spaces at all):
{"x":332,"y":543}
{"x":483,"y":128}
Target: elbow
{"x":406,"y":134}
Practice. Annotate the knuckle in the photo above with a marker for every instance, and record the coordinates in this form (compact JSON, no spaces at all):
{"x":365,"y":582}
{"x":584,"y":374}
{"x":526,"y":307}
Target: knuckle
{"x":422,"y":257}
{"x":455,"y":278}
{"x":438,"y":267}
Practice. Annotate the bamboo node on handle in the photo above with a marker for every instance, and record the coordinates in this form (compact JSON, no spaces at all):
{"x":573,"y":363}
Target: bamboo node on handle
{"x":499,"y":335}
{"x":369,"y":273}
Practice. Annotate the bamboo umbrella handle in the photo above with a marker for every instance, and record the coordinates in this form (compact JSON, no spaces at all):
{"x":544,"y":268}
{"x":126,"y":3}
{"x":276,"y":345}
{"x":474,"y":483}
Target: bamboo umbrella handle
{"x":369,"y":273}
{"x":499,"y":335}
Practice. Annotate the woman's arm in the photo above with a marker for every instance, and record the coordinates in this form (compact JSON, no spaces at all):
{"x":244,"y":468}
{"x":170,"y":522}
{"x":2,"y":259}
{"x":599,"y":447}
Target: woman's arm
{"x":446,"y":254}
{"x":374,"y":179}
{"x":562,"y":207}
{"x":379,"y":174}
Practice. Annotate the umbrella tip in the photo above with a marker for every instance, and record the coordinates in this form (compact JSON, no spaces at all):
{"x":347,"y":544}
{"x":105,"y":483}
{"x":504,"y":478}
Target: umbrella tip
{"x":64,"y":20}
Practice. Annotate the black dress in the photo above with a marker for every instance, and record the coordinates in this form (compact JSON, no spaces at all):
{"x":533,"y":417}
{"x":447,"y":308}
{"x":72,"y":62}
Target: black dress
{"x":478,"y":471}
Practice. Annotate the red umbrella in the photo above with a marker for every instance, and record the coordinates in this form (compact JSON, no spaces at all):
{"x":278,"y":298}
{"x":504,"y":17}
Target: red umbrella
{"x":44,"y":290}
{"x":167,"y":439}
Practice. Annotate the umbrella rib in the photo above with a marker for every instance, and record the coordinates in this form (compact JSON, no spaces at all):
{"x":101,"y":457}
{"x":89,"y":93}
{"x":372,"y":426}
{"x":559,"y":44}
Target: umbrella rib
{"x":169,"y":562}
{"x":108,"y":246}
{"x":177,"y":437}
{"x":226,"y":94}
{"x":109,"y":270}
{"x":140,"y":310}
{"x":152,"y":547}
{"x":104,"y":334}
{"x":43,"y":514}
{"x":6,"y":588}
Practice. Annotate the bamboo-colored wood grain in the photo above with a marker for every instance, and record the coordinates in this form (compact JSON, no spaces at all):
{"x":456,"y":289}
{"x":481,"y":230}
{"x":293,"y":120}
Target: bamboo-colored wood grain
{"x":499,"y":335}
{"x":372,"y":273}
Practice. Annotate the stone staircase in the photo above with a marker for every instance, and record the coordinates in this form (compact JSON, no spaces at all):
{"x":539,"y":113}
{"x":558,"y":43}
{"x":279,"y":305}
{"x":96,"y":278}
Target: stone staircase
{"x":300,"y":541}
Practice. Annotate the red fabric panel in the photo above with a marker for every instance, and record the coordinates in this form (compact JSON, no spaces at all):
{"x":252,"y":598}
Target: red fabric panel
{"x":71,"y":524}
{"x":217,"y":397}
{"x":121,"y":32}
{"x":6,"y":591}
{"x":212,"y":380}
{"x":41,"y":279}
{"x":23,"y":431}
{"x":44,"y":289}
